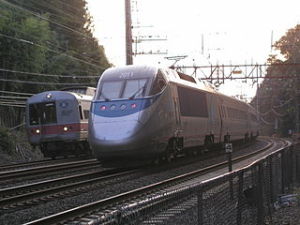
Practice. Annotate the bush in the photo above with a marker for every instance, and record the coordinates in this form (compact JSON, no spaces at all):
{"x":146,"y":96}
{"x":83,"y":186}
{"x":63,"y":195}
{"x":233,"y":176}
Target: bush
{"x":7,"y":143}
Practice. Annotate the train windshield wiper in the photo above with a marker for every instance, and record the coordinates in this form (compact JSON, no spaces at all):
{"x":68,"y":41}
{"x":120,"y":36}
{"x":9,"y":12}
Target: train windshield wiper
{"x":138,"y":91}
{"x":104,"y":96}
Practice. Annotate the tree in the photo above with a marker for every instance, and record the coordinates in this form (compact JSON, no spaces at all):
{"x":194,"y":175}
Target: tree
{"x":46,"y":37}
{"x":279,"y":98}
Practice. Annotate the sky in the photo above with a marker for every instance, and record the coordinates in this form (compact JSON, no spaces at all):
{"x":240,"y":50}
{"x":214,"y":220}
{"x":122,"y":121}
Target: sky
{"x":206,"y":31}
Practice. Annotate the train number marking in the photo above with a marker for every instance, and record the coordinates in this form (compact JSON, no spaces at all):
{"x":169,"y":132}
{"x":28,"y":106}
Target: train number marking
{"x":126,"y":75}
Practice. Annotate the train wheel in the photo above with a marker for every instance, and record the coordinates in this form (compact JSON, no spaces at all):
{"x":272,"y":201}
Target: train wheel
{"x":173,"y":148}
{"x":170,"y":157}
{"x":209,"y":141}
{"x":158,"y":161}
{"x":246,"y":139}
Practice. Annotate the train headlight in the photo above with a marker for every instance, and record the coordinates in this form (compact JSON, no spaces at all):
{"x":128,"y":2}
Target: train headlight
{"x":113,"y":107}
{"x":49,"y":96}
{"x":37,"y":131}
{"x":103,"y":108}
{"x":133,"y":105}
{"x":66,"y":128}
{"x":123,"y":107}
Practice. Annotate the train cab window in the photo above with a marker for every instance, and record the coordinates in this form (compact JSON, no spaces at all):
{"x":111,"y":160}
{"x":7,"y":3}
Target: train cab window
{"x":49,"y":113}
{"x":123,"y":89}
{"x":158,"y":84}
{"x":42,"y":113}
{"x":134,"y":88}
{"x":33,"y":114}
{"x":110,"y":90}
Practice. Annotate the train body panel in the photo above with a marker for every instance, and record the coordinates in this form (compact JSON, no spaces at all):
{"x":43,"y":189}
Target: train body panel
{"x":144,"y":112}
{"x":57,"y":122}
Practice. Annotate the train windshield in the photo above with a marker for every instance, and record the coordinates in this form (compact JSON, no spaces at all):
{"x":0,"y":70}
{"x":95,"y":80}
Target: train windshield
{"x":123,"y":89}
{"x":42,"y":113}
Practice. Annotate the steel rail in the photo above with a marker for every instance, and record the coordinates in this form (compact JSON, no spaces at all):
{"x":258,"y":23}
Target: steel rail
{"x":94,"y":207}
{"x":47,"y":168}
{"x":18,"y":166}
{"x":27,"y":194}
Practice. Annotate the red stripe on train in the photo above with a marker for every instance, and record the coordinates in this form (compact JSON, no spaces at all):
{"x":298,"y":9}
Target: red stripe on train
{"x":59,"y":129}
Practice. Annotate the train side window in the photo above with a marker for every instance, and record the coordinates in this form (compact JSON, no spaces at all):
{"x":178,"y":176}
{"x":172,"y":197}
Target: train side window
{"x":86,"y":114}
{"x":80,"y":112}
{"x":192,"y":102}
{"x":158,"y":84}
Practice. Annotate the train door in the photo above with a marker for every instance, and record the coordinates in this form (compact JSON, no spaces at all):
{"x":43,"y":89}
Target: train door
{"x":34,"y":121}
{"x":222,"y":116}
{"x":177,"y":113}
{"x":178,"y":127}
{"x":214,"y":121}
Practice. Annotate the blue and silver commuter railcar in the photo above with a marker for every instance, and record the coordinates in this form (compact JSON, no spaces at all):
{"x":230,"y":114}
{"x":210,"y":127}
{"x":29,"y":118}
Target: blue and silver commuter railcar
{"x":57,"y":121}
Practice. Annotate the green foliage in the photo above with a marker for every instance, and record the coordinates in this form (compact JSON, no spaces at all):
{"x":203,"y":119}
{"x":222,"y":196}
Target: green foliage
{"x":277,"y":98}
{"x":47,"y":37}
{"x":7,"y":143}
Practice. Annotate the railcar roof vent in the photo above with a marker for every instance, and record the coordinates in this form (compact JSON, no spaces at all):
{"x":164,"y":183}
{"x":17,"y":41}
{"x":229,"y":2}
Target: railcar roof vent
{"x":186,"y":77}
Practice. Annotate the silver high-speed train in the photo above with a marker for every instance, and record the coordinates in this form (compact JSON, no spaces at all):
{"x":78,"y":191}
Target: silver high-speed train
{"x":146,"y":113}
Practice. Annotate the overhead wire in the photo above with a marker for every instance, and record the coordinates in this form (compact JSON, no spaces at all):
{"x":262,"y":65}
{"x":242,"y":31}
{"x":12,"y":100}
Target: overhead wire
{"x":58,"y":24}
{"x":43,"y":18}
{"x":12,"y":105}
{"x":15,"y":93}
{"x":12,"y":97}
{"x":70,"y":18}
{"x":57,"y":52}
{"x":46,"y":83}
{"x":47,"y":75}
{"x":55,"y":45}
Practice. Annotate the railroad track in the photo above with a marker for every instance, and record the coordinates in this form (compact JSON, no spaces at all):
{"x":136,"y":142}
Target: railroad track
{"x":107,"y":210}
{"x":42,"y":169}
{"x":27,"y":195}
{"x":28,"y":165}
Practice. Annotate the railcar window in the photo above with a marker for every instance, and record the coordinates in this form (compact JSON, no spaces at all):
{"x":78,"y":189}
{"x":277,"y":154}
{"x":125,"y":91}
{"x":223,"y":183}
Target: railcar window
{"x":123,"y":89}
{"x":158,"y":84}
{"x":80,"y":112}
{"x":193,"y":103}
{"x":110,"y":90}
{"x":134,"y":88}
{"x":86,"y":114}
{"x":49,"y":113}
{"x":236,"y":114}
{"x":42,"y":113}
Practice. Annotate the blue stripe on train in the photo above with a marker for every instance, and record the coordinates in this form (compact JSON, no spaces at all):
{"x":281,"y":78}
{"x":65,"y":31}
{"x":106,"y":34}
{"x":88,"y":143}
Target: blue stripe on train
{"x":118,"y":108}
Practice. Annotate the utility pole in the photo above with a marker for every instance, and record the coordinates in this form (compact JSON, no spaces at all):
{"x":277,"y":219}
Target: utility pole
{"x":297,"y":105}
{"x":129,"y":59}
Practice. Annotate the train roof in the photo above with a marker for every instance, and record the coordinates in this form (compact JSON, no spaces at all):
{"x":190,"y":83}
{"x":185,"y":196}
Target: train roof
{"x":81,"y":90}
{"x":127,"y":72}
{"x":171,"y":75}
{"x":57,"y":95}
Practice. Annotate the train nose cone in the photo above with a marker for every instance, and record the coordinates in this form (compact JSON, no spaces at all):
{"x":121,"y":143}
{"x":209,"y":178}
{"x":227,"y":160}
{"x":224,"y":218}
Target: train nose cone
{"x":115,"y":131}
